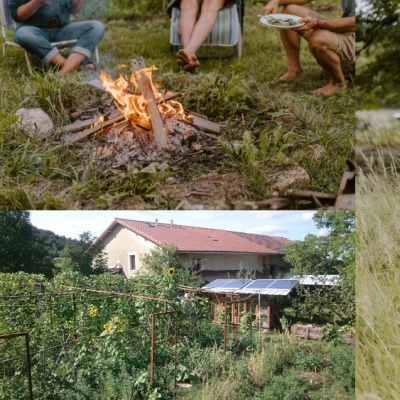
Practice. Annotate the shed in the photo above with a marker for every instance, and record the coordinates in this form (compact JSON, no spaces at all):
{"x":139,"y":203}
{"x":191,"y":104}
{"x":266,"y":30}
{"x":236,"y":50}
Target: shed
{"x":259,"y":297}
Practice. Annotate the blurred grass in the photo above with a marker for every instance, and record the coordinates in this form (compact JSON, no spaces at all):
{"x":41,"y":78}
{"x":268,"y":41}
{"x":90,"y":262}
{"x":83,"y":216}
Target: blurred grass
{"x":235,"y":91}
{"x":378,"y":279}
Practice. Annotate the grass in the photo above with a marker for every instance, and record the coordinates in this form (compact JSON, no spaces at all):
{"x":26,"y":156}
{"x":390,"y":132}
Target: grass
{"x":281,"y":367}
{"x":378,"y":274}
{"x":282,"y":121}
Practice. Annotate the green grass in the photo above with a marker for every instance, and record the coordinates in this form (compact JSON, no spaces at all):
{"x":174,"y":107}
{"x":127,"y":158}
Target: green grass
{"x":282,"y":120}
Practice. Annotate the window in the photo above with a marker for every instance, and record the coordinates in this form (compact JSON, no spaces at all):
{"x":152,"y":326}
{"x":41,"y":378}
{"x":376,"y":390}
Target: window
{"x":132,"y":261}
{"x":196,"y":263}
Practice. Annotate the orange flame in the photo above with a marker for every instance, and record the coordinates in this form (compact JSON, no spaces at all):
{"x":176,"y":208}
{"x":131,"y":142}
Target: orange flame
{"x":131,"y":103}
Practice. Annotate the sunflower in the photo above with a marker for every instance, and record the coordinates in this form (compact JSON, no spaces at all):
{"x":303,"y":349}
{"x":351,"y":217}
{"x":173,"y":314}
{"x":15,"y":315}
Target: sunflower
{"x":171,"y":271}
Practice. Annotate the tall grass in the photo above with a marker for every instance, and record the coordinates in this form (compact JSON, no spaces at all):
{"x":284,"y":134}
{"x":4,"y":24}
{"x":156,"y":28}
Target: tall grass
{"x":378,"y":279}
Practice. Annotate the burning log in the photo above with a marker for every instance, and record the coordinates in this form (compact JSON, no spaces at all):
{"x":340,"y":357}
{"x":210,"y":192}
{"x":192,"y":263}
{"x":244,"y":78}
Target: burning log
{"x":146,"y":90}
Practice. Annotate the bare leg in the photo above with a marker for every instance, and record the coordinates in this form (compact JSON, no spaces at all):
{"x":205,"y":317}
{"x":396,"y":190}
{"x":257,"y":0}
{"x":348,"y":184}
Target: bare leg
{"x":204,"y":25}
{"x":193,"y":35}
{"x":321,"y":45}
{"x":58,"y":59}
{"x":71,"y":63}
{"x":291,"y":43}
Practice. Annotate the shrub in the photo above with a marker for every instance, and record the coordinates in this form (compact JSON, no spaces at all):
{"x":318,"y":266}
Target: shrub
{"x":342,"y":359}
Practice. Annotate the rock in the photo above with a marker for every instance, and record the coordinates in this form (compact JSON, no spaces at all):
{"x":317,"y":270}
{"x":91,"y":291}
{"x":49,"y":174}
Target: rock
{"x":35,"y":120}
{"x":288,"y":178}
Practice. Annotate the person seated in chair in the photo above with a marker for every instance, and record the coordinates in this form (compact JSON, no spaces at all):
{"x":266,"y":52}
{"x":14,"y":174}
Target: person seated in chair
{"x":41,"y":22}
{"x":331,"y":41}
{"x":197,"y":19}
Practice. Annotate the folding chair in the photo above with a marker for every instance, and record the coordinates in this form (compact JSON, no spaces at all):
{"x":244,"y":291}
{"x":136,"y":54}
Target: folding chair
{"x":7,"y":22}
{"x":227,"y":31}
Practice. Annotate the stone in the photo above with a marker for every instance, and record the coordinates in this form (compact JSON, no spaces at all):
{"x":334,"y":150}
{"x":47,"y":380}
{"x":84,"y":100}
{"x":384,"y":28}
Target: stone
{"x":34,"y":120}
{"x":290,"y":177}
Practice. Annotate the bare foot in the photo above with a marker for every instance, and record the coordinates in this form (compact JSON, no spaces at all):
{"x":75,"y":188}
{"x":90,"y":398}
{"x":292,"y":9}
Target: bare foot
{"x":328,"y":89}
{"x":192,"y":65}
{"x":183,"y":57}
{"x":298,"y":76}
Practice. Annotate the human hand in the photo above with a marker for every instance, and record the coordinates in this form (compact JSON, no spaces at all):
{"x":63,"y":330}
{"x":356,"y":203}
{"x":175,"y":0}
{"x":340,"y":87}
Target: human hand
{"x":309,"y":23}
{"x":46,"y":1}
{"x":271,"y":7}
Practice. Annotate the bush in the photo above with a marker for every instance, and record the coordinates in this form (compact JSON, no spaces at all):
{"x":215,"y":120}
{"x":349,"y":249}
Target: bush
{"x":342,"y":359}
{"x":288,"y":386}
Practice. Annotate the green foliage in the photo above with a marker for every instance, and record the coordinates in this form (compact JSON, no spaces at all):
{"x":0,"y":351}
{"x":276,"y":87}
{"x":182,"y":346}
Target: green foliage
{"x":342,"y":359}
{"x":20,"y":248}
{"x":84,"y":255}
{"x":332,"y":253}
{"x":288,"y":386}
{"x":377,"y":37}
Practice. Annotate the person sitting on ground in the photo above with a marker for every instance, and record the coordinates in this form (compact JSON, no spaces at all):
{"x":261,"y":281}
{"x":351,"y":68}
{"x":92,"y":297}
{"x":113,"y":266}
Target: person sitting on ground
{"x":197,"y":19}
{"x":331,"y":41}
{"x":41,"y":22}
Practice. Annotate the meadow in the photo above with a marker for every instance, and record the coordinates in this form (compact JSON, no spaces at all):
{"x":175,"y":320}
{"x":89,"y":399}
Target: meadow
{"x":268,"y":128}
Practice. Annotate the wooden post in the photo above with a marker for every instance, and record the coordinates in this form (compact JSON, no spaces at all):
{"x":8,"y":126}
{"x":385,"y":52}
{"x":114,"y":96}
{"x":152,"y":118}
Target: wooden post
{"x":144,"y":84}
{"x":153,"y":320}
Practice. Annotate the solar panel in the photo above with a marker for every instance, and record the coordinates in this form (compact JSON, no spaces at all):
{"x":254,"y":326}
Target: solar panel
{"x":236,"y":283}
{"x":217,"y":283}
{"x":260,"y":284}
{"x":283,"y":284}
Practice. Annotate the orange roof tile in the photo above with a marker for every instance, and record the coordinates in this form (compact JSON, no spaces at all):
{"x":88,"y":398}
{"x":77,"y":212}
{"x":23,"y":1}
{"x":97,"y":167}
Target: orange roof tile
{"x":189,"y":238}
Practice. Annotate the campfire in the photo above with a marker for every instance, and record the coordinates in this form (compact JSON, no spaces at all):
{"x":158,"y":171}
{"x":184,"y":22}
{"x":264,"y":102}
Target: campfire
{"x":144,"y":123}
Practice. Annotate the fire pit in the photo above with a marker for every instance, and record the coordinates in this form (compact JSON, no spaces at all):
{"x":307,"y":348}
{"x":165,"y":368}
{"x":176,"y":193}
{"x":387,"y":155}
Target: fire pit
{"x":144,"y":123}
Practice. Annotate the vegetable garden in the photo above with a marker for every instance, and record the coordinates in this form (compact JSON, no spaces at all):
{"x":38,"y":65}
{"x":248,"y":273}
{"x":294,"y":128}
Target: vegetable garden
{"x":92,"y":337}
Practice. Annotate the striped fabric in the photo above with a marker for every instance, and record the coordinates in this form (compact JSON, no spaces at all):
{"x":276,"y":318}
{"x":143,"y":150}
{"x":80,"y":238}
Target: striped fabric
{"x":224,"y":33}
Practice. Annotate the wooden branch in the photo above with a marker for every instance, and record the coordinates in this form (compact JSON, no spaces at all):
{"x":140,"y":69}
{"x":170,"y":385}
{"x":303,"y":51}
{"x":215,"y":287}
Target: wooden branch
{"x":144,"y":84}
{"x":205,"y":124}
{"x":87,"y":132}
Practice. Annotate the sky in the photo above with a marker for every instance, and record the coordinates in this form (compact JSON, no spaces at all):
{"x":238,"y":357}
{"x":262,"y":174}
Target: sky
{"x":294,"y":225}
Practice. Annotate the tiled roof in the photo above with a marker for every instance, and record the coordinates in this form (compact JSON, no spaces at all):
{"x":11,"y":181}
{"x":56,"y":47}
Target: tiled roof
{"x":189,"y":238}
{"x":275,"y":243}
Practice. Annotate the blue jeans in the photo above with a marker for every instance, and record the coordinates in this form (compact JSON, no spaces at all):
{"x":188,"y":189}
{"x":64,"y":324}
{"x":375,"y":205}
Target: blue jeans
{"x":37,"y":41}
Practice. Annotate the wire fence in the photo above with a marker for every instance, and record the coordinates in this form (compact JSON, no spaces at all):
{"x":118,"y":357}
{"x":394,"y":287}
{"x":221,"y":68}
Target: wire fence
{"x":71,"y":335}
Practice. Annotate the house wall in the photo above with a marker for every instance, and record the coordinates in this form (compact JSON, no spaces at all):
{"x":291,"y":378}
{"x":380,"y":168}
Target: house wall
{"x":120,"y":243}
{"x":272,"y":265}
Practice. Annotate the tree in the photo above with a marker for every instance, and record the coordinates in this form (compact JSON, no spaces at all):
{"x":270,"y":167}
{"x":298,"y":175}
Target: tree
{"x":378,"y":70}
{"x":20,"y":248}
{"x":333,"y":253}
{"x":85,"y":256}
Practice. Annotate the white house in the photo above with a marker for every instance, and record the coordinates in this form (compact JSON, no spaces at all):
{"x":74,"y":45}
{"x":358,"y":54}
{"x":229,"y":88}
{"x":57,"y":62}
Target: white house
{"x":213,"y":253}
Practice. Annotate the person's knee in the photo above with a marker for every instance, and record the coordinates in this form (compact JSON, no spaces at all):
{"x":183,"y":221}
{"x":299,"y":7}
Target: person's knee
{"x":319,"y":40}
{"x":97,"y":28}
{"x":295,"y":9}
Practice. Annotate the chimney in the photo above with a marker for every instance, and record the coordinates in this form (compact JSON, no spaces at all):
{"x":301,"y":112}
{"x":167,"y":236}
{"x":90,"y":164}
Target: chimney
{"x":156,"y":222}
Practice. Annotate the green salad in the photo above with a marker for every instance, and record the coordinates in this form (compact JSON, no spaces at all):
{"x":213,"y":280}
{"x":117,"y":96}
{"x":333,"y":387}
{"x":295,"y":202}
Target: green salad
{"x":282,"y":21}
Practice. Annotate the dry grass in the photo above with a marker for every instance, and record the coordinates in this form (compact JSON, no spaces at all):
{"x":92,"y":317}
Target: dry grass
{"x":378,"y":279}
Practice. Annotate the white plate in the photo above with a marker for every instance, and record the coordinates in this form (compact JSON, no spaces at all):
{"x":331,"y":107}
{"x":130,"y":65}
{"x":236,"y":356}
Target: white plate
{"x":267,"y":20}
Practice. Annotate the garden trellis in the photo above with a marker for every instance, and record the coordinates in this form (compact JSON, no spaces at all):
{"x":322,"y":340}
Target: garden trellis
{"x":69,"y":328}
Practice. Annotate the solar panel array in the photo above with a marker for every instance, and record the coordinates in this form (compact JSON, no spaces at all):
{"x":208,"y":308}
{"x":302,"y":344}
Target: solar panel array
{"x":265,"y":286}
{"x":227,"y":283}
